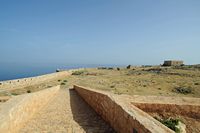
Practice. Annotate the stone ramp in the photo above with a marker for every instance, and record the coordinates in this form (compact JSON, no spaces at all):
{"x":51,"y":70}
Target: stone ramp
{"x":67,"y":113}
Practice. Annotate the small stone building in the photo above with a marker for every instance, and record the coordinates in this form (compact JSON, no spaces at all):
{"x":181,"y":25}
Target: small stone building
{"x":173,"y":63}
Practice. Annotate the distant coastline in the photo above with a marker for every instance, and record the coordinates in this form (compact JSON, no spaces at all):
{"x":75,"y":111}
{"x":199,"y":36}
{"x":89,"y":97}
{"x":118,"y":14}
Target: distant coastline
{"x":13,"y":72}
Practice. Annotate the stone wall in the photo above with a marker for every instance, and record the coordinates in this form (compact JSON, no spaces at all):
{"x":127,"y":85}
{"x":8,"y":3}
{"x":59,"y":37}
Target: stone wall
{"x":123,"y":116}
{"x":18,"y":110}
{"x":24,"y":82}
{"x":185,"y":110}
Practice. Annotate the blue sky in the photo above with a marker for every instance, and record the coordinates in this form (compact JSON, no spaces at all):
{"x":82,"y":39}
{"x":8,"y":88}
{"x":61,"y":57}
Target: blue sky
{"x":49,"y":32}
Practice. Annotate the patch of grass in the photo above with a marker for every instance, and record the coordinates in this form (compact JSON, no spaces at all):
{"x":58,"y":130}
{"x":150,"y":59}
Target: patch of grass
{"x":28,"y":91}
{"x":170,"y":123}
{"x":183,"y":90}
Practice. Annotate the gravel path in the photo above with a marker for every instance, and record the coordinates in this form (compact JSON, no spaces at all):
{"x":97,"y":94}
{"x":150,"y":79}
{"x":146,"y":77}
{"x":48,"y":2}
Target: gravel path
{"x":66,"y":113}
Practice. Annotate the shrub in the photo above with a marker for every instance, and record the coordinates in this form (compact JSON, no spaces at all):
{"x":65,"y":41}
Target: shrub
{"x":110,"y":68}
{"x":28,"y":91}
{"x":196,"y":83}
{"x":183,"y":90}
{"x":170,"y":123}
{"x":62,"y":83}
{"x":0,"y":83}
{"x":77,"y":72}
{"x":128,"y":67}
{"x":112,"y":86}
{"x":13,"y":93}
{"x":118,"y":69}
{"x":101,"y":68}
{"x":59,"y":80}
{"x":64,"y":80}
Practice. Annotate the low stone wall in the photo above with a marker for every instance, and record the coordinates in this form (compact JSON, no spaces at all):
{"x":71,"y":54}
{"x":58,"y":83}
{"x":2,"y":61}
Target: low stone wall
{"x":24,"y":82}
{"x":15,"y":112}
{"x":185,"y":110}
{"x":121,"y":115}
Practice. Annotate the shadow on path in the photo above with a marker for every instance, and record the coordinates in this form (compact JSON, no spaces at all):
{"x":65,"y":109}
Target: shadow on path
{"x":86,"y":117}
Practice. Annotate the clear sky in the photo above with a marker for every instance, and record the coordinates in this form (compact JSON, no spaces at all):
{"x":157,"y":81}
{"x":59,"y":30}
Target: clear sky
{"x":120,"y":32}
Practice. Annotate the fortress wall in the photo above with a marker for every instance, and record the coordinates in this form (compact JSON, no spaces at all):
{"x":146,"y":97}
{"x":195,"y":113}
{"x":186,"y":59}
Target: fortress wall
{"x":24,"y":82}
{"x":185,"y":110}
{"x":15,"y":112}
{"x":122,"y":116}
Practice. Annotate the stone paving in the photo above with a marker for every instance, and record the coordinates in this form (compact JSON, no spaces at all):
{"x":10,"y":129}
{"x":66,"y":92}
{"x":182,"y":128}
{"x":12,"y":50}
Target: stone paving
{"x":67,"y":112}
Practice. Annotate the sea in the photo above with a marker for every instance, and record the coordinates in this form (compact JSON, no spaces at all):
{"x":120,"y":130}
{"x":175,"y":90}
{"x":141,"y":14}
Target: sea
{"x":13,"y":71}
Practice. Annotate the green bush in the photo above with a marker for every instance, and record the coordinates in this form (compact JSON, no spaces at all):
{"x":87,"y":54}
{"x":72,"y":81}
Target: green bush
{"x":170,"y":123}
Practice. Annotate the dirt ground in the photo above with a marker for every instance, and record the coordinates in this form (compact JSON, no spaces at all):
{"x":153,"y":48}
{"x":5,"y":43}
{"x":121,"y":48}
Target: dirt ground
{"x":142,"y":81}
{"x":157,"y":81}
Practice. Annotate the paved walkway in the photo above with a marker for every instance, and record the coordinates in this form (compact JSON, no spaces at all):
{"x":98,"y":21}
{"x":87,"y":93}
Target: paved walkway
{"x":66,"y":113}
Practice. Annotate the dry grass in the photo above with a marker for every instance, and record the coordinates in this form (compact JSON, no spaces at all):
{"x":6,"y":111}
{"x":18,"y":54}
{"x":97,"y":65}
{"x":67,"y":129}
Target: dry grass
{"x":141,"y":81}
{"x":134,"y":81}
